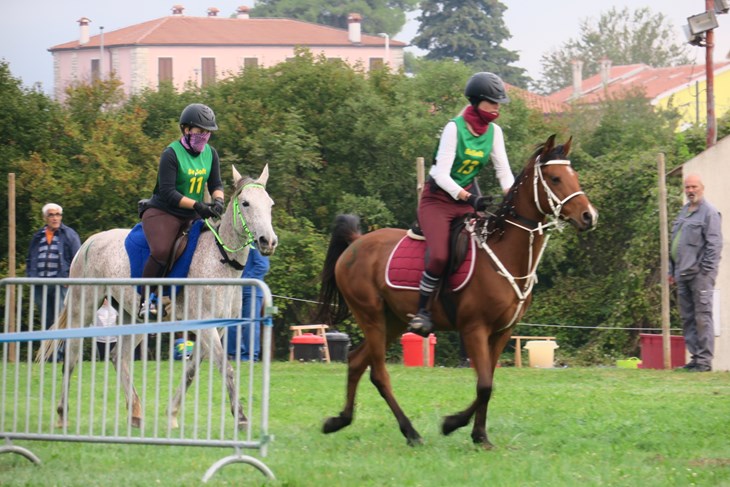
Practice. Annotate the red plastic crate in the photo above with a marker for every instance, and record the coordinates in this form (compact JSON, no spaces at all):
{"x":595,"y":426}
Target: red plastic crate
{"x":652,"y":353}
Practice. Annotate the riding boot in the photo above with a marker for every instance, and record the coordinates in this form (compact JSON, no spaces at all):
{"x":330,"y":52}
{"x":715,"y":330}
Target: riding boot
{"x":421,"y":323}
{"x":152,"y":268}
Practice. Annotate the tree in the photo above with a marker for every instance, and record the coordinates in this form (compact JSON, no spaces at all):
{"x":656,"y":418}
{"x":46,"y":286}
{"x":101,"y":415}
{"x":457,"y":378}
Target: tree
{"x":387,"y":16}
{"x":470,"y":31}
{"x":622,"y":36}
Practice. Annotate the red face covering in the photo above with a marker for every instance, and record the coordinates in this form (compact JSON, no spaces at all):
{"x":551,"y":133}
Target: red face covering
{"x":479,"y":119}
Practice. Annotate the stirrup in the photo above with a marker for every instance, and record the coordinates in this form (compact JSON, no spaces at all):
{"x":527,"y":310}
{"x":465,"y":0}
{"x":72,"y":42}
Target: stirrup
{"x":149,"y":307}
{"x":421,"y":323}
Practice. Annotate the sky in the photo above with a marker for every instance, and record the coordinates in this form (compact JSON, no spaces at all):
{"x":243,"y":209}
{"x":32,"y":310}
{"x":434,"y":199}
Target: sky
{"x":28,"y":29}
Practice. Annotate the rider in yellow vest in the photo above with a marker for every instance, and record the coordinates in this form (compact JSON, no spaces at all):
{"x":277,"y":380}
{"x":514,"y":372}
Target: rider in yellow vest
{"x":467,"y":143}
{"x":187,"y":167}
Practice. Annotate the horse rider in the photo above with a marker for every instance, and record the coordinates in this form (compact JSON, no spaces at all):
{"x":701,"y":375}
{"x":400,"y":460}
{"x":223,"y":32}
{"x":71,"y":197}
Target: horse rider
{"x":187,"y":166}
{"x":467,"y":143}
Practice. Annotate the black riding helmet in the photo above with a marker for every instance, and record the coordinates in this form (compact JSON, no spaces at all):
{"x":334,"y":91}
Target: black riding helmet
{"x":198,"y":115}
{"x":485,"y":86}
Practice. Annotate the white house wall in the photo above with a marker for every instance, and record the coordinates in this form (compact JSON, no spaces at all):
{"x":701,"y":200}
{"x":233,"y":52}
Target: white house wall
{"x":137,"y":66}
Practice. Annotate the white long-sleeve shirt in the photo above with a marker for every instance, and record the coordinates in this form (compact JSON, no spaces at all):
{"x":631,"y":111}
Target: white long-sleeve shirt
{"x":441,"y":171}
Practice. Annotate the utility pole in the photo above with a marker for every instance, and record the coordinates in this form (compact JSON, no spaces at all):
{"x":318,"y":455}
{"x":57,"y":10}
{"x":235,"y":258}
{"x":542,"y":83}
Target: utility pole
{"x":710,"y":77}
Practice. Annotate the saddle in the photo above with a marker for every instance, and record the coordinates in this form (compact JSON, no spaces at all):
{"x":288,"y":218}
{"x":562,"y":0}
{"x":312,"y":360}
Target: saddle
{"x":406,"y":262}
{"x":182,"y":253}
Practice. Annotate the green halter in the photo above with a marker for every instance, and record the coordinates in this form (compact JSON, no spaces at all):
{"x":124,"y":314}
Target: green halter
{"x":237,"y":214}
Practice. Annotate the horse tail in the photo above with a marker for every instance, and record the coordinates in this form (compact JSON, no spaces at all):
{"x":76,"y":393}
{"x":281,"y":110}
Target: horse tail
{"x":332,"y":307}
{"x":48,"y":347}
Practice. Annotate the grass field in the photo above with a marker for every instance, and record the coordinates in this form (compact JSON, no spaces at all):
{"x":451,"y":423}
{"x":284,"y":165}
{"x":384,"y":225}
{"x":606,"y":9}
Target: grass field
{"x":556,"y":427}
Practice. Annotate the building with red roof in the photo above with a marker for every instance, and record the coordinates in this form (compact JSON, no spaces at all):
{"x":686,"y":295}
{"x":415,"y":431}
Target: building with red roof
{"x":185,"y":49}
{"x":680,"y":87}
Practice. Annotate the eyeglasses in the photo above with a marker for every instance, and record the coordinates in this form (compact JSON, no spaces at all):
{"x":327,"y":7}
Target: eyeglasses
{"x":51,"y":215}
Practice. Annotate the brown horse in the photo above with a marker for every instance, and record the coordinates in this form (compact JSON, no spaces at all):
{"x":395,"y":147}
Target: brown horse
{"x":510,"y":242}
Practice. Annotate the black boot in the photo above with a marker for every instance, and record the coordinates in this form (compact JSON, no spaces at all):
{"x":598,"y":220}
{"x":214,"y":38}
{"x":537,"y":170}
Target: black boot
{"x":421,"y":323}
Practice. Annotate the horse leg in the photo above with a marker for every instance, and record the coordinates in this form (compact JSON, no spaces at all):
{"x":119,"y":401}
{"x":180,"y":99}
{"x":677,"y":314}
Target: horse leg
{"x":357,"y":361}
{"x":210,"y":343}
{"x":191,"y":367}
{"x":122,"y":358}
{"x":381,"y":380}
{"x":478,"y":352}
{"x":72,"y":352}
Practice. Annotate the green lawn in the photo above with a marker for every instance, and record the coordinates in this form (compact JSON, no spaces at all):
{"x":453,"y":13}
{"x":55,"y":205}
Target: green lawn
{"x":552,"y":427}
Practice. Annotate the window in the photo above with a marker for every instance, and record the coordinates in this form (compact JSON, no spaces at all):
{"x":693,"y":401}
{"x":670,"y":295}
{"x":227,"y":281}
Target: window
{"x":95,"y":70}
{"x":376,"y":63}
{"x":250,"y":62}
{"x":164,"y":70}
{"x":208,"y":71}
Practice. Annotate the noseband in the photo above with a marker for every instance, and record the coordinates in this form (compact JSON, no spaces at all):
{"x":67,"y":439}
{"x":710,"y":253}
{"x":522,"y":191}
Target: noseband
{"x":555,"y":203}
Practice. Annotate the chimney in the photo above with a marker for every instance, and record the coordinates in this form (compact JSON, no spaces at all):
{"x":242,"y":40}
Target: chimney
{"x":177,"y":9}
{"x":605,"y":71}
{"x":577,"y":78}
{"x":213,"y":12}
{"x":353,"y":28}
{"x":83,"y":30}
{"x":242,"y":12}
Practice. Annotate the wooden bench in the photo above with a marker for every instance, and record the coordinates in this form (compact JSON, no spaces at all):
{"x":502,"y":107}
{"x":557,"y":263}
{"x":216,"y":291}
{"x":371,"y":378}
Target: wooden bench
{"x":319,"y":330}
{"x":518,"y":347}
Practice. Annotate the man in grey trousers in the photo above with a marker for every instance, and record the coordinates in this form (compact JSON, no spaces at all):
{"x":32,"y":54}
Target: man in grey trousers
{"x":695,"y":249}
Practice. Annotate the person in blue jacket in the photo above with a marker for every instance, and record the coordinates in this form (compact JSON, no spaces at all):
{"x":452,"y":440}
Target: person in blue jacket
{"x":52,"y":248}
{"x":257,"y":266}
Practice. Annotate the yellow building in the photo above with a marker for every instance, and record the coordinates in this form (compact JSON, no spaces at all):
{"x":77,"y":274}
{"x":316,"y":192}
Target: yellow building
{"x":680,"y":87}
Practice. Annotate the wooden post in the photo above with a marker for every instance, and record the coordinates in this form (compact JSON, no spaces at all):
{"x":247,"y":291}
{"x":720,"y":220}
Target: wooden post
{"x":664,"y":244}
{"x":427,"y":351}
{"x":420,"y":176}
{"x":10,"y":296}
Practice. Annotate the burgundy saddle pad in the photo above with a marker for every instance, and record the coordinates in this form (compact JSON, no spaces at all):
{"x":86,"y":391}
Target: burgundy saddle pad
{"x":406,"y":264}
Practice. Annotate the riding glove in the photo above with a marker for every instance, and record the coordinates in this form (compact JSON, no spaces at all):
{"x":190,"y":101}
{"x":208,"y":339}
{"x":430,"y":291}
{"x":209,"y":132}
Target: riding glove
{"x":479,"y":203}
{"x":218,"y":207}
{"x":205,"y":210}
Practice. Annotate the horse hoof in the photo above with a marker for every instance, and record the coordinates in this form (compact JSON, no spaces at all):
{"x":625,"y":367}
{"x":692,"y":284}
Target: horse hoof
{"x":136,"y":422}
{"x":484,"y":442}
{"x":335,"y":423}
{"x":172,"y":423}
{"x":452,"y":423}
{"x":61,"y":424}
{"x":415,"y":441}
{"x":242,"y":425}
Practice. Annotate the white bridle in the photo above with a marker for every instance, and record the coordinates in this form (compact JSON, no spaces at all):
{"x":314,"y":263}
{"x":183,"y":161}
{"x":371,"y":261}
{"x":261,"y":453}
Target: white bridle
{"x":556,"y":206}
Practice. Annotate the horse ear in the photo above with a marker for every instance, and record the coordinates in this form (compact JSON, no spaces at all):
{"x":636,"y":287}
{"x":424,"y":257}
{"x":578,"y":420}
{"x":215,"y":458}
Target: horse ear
{"x":566,"y":146}
{"x":264,"y":175}
{"x":236,"y":175}
{"x":549,"y":145}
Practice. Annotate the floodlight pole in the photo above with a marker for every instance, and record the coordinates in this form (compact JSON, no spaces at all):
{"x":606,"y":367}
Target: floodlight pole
{"x":710,"y":78}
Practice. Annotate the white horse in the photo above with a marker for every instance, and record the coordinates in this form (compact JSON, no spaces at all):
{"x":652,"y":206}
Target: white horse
{"x":246,"y":221}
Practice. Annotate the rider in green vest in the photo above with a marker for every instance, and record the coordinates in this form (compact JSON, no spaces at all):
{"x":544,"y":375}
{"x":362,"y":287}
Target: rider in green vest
{"x":187,"y":168}
{"x":467,"y":144}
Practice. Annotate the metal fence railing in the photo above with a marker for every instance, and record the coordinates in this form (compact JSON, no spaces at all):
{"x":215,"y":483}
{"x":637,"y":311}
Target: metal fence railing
{"x":107,"y":376}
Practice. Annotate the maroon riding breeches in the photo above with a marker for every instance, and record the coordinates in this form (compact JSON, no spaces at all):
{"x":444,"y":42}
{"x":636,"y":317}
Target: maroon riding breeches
{"x":436,"y":211}
{"x":160,"y":229}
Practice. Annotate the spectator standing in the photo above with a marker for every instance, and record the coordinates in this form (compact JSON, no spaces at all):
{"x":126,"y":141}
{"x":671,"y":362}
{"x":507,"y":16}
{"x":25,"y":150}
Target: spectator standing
{"x":694,"y":259}
{"x":257,"y":266}
{"x":52,"y":248}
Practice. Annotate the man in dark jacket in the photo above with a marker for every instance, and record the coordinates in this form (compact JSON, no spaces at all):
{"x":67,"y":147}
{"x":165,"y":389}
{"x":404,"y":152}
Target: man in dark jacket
{"x":695,"y":249}
{"x":52,"y":249}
